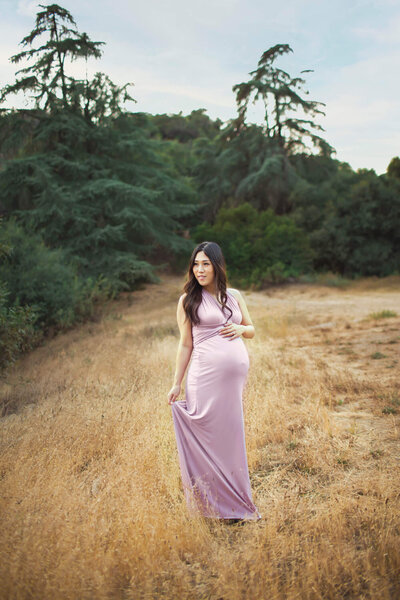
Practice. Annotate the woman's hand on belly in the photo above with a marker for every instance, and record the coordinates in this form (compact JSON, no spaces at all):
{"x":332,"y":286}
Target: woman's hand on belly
{"x":232,"y":330}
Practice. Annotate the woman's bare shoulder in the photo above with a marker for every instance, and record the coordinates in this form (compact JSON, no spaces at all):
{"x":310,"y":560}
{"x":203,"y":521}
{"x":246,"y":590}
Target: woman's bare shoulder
{"x":181,"y":298}
{"x":234,"y":293}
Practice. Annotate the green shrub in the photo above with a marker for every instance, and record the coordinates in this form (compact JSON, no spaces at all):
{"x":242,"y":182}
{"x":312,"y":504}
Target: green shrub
{"x":44,"y":280}
{"x":383,"y":314}
{"x":17,"y":333}
{"x":16,"y":324}
{"x":259,"y":247}
{"x":360,"y":232}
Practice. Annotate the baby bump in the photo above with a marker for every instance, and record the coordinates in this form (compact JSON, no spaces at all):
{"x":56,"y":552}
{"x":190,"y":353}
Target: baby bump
{"x":215,"y":381}
{"x":220,"y":358}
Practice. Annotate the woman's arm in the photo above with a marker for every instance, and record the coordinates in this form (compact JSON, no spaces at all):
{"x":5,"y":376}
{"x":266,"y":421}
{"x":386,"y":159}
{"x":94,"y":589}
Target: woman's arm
{"x":246,"y":320}
{"x":184,"y":351}
{"x":246,"y":327}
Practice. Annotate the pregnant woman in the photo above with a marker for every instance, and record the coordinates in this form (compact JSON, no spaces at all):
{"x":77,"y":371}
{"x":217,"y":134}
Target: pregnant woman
{"x":208,"y":424}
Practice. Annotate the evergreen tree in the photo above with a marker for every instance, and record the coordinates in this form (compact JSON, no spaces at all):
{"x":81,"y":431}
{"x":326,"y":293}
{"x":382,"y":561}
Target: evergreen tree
{"x":242,"y":167}
{"x":253,"y":163}
{"x":103,"y":193}
{"x":47,"y":79}
{"x":393,"y":169}
{"x":280,"y":95}
{"x":285,"y":133}
{"x":87,"y":176}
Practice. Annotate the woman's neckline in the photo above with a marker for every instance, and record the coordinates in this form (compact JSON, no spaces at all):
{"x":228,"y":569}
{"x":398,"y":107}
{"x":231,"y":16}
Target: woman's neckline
{"x":212,"y":295}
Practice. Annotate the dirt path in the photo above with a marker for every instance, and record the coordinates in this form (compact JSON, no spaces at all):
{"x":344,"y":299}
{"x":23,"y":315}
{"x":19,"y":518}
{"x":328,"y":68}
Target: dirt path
{"x":348,"y":330}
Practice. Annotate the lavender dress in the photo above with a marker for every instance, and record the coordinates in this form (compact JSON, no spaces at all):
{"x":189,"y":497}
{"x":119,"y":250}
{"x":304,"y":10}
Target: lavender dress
{"x":209,"y":422}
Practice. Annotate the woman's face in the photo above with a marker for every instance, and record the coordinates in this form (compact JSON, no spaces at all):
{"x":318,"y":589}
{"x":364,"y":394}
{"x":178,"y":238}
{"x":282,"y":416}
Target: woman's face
{"x":203,"y":269}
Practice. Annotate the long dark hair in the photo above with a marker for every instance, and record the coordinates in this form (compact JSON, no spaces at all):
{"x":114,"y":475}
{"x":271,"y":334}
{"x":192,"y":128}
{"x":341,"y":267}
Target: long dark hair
{"x":192,"y":287}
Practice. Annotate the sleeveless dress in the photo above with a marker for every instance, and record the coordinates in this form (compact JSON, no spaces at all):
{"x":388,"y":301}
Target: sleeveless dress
{"x":209,"y":424}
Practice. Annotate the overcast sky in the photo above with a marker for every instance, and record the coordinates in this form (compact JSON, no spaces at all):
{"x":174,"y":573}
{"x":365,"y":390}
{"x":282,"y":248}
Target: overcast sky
{"x":184,"y":55}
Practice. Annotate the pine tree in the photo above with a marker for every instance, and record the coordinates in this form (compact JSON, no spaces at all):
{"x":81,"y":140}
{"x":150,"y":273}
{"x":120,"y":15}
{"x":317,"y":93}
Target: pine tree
{"x":47,"y":79}
{"x":86,"y":175}
{"x":280,"y":94}
{"x":393,"y":169}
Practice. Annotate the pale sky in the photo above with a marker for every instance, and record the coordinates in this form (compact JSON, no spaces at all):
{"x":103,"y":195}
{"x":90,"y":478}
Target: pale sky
{"x":184,"y":55}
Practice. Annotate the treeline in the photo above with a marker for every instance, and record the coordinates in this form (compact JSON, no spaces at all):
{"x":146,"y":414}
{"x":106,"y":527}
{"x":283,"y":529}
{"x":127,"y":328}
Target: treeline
{"x":94,"y":198}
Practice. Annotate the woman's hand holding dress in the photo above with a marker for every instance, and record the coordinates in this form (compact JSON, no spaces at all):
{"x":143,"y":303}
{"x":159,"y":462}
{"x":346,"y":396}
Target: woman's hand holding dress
{"x":174,"y":394}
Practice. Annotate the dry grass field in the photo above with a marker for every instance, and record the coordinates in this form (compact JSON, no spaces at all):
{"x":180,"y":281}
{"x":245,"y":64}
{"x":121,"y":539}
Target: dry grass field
{"x":91,"y":498}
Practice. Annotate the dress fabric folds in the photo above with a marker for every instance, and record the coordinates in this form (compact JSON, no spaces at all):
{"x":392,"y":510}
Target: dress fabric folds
{"x":208,"y":424}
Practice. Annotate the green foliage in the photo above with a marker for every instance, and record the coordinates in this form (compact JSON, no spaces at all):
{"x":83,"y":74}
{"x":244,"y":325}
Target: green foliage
{"x":313,"y":197}
{"x":280,"y":95}
{"x":41,"y":280}
{"x":251,"y":163}
{"x":16,"y":323}
{"x":105,"y":194}
{"x":242,"y":167}
{"x":360,"y":232}
{"x":353,"y":218}
{"x":393,"y":169}
{"x":17,"y":334}
{"x":326,"y":279}
{"x":99,"y":190}
{"x":186,"y":128}
{"x":46,"y":78}
{"x":315,"y":168}
{"x":39,"y":291}
{"x":378,"y":355}
{"x":259,"y":247}
{"x":383,"y":314}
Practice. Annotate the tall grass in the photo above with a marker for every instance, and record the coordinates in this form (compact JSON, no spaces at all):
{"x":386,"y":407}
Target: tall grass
{"x":91,"y":497}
